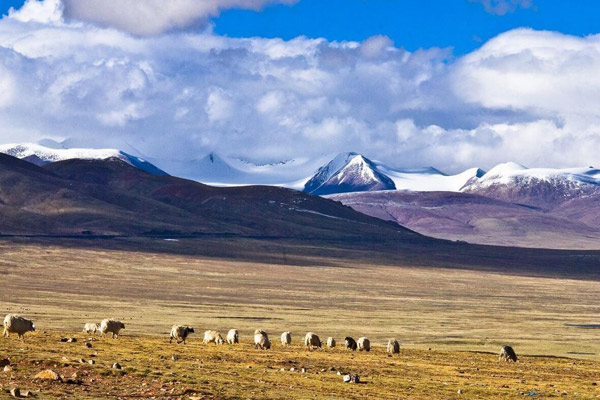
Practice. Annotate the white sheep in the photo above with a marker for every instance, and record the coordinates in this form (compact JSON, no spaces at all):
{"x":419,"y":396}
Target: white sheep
{"x":180,"y":333}
{"x":364,"y":344}
{"x":311,"y":341}
{"x":393,"y":346}
{"x":286,"y":338}
{"x":213,"y":337}
{"x":233,"y":336}
{"x":261,"y":340}
{"x":112,"y":326}
{"x":330,"y":342}
{"x":90,"y":327}
{"x":17,"y":324}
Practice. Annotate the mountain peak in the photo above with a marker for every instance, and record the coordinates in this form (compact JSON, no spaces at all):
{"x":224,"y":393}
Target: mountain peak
{"x":348,"y":172}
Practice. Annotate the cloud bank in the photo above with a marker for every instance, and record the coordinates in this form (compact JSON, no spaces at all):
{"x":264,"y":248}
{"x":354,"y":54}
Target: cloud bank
{"x":526,"y":96}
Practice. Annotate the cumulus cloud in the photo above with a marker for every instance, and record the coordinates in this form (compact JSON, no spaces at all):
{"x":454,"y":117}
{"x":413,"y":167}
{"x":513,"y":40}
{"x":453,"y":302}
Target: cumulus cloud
{"x":150,"y":17}
{"x":502,"y":7}
{"x":526,"y":96}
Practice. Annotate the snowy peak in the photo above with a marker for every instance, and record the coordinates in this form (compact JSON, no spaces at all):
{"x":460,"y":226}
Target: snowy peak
{"x":540,"y":187}
{"x":348,"y":172}
{"x":40,"y":155}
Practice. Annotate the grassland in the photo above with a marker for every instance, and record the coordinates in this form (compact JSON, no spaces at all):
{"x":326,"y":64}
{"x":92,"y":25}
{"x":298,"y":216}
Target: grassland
{"x":462,"y":314}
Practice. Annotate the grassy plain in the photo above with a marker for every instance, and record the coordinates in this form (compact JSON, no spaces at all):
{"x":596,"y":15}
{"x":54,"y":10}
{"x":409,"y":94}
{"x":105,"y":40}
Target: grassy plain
{"x":462,"y":314}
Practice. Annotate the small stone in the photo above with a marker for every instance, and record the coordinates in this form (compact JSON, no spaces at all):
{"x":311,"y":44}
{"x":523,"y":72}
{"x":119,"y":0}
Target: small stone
{"x":7,"y":368}
{"x":91,"y":362}
{"x":88,"y":345}
{"x":4,"y":362}
{"x":48,"y":375}
{"x":117,"y":366}
{"x":15,"y":392}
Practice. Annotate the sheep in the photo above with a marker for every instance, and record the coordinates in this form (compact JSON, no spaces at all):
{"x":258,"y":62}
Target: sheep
{"x":286,"y":338}
{"x":350,"y":343}
{"x":311,"y":341}
{"x":90,"y":327}
{"x":507,"y":354}
{"x":330,"y":342}
{"x":364,"y":344}
{"x":233,"y":336}
{"x":17,"y":324}
{"x":393,"y":346}
{"x":213,"y":337}
{"x":180,"y":333}
{"x":261,"y":340}
{"x":111,"y":325}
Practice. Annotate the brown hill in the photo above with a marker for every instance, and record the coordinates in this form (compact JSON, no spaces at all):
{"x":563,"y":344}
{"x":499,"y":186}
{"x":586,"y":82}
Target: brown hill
{"x":110,"y":197}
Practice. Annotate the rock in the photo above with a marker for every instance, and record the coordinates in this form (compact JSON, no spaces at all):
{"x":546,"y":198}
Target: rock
{"x":117,"y":366}
{"x":4,"y":362}
{"x":7,"y":368}
{"x":88,"y":345}
{"x":91,"y":362}
{"x":49,"y":375}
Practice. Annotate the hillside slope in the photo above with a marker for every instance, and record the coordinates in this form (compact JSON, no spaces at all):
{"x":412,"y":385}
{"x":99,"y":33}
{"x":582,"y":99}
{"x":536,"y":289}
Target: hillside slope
{"x":111,"y":197}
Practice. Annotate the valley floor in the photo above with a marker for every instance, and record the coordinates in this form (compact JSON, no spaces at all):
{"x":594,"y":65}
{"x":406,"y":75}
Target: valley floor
{"x":152,"y":368}
{"x":463,"y":315}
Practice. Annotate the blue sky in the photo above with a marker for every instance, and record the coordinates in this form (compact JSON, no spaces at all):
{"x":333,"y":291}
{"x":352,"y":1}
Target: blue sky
{"x":411,"y":24}
{"x":177,"y":80}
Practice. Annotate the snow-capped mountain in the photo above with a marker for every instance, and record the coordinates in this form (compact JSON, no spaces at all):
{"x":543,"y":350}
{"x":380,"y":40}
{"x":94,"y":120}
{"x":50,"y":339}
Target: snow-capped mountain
{"x":348,"y":172}
{"x":43,"y":154}
{"x":541,"y":187}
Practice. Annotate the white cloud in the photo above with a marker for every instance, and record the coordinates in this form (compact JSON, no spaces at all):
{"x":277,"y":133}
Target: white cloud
{"x":502,"y":7}
{"x":526,"y":96}
{"x":150,"y":17}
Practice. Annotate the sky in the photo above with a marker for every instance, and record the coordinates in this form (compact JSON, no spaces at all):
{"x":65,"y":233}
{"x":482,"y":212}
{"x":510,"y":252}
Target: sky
{"x":453,"y":84}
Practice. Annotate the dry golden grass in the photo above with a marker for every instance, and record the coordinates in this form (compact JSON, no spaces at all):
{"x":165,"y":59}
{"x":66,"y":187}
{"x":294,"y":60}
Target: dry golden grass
{"x":450,"y":310}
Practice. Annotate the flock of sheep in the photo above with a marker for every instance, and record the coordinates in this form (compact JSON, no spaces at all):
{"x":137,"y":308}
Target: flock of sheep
{"x":17,"y":324}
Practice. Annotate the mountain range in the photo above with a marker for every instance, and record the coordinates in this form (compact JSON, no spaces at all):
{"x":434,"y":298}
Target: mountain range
{"x":509,"y":205}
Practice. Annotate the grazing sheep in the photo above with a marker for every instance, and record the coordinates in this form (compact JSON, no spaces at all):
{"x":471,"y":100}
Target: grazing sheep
{"x":350,"y":343}
{"x":393,"y":346}
{"x":111,"y":325}
{"x":213,"y":337}
{"x":261,"y":340}
{"x":286,"y":338}
{"x":330,"y":342}
{"x":364,"y":344}
{"x":90,"y":327}
{"x":180,"y":333}
{"x":233,"y":336}
{"x":312,"y":341}
{"x":17,"y":324}
{"x":507,"y":354}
